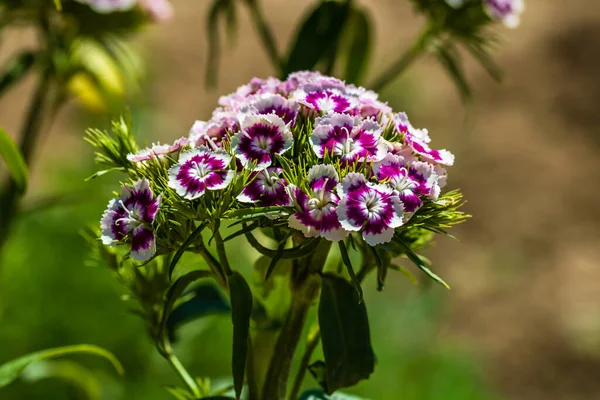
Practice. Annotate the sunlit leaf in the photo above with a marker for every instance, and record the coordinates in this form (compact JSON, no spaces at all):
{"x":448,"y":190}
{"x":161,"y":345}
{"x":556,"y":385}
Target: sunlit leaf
{"x":13,"y":369}
{"x":13,"y":159}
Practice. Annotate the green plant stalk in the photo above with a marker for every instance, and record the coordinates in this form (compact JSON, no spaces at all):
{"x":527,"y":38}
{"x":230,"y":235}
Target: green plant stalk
{"x":266,"y":35}
{"x":311,"y":344}
{"x":9,"y":197}
{"x":314,"y":337}
{"x":166,"y":351}
{"x":413,"y":53}
{"x":305,"y":285}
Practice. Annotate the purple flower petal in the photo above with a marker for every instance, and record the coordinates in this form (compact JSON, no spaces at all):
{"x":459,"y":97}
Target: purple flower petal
{"x":130,"y":217}
{"x":349,"y":138}
{"x":143,"y":243}
{"x":268,"y":188}
{"x":260,"y":138}
{"x":374,"y":210}
{"x":198,"y":170}
{"x":316,"y":211}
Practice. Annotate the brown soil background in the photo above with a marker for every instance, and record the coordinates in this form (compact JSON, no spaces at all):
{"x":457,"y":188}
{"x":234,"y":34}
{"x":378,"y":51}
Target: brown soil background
{"x":525,"y":276}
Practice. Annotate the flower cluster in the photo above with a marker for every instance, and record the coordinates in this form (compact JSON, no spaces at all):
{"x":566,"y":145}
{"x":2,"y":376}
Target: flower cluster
{"x":507,"y":11}
{"x":329,"y":156}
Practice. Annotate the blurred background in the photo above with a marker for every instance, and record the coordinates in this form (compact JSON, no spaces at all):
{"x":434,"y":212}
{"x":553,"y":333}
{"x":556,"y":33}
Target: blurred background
{"x":522,"y":320}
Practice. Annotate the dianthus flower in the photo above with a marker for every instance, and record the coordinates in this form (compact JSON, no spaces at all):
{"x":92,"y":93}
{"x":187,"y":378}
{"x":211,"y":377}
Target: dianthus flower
{"x":317,"y":206}
{"x":335,"y":159}
{"x":129,"y":218}
{"x":199,"y":170}
{"x":372,"y":209}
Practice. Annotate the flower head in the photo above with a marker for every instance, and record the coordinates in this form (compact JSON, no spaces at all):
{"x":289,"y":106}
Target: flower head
{"x":275,"y":104}
{"x":316,"y":209}
{"x":508,"y":11}
{"x":349,"y":138}
{"x":199,"y":170}
{"x":372,"y":209}
{"x":326,"y":101}
{"x":129,"y":218}
{"x":260,"y":138}
{"x":266,"y":188}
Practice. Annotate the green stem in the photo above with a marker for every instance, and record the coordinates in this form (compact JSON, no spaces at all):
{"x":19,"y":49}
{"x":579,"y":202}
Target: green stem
{"x":167,"y":352}
{"x":221,"y":253}
{"x":305,"y":286}
{"x":311,"y":344}
{"x":406,"y":59}
{"x":31,"y":131}
{"x":266,"y":34}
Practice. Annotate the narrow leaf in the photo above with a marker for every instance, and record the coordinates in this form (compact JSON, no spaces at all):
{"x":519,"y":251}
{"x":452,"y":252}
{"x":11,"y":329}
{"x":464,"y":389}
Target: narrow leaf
{"x":450,"y":60}
{"x":218,"y":8}
{"x":316,"y":35}
{"x":348,"y":264}
{"x":177,"y":289}
{"x":406,"y":273}
{"x":419,"y":263}
{"x":13,"y":369}
{"x":202,"y":300}
{"x":13,"y":160}
{"x":360,"y":43}
{"x":349,"y":357}
{"x":197,"y":232}
{"x":241,"y":310}
{"x":16,"y":69}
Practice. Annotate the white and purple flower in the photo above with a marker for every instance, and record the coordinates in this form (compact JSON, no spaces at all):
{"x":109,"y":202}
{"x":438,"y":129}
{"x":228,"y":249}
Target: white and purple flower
{"x":410,"y":180}
{"x":350,"y":138}
{"x":276,"y":104}
{"x":375,"y":210}
{"x":158,"y":150}
{"x":199,"y":170}
{"x":267,"y":188}
{"x":316,"y":210}
{"x":418,"y":139}
{"x":259,"y":139}
{"x":129,"y":218}
{"x":326,"y":101}
{"x":508,"y":11}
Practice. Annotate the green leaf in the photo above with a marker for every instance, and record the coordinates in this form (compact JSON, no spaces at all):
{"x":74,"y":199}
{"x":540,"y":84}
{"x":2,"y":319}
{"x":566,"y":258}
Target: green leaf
{"x":345,"y":336}
{"x":13,"y":160}
{"x":450,"y":60}
{"x":317,"y":34}
{"x":179,"y":393}
{"x":486,"y":61}
{"x":419,"y":263}
{"x":68,"y":371}
{"x":177,"y":289}
{"x":217,"y":398}
{"x":348,"y":265}
{"x":248,"y":213}
{"x":197,"y":232}
{"x":359,"y":37}
{"x":13,"y":369}
{"x":16,"y":69}
{"x":241,"y":310}
{"x":58,"y":5}
{"x":406,"y":273}
{"x":202,"y":300}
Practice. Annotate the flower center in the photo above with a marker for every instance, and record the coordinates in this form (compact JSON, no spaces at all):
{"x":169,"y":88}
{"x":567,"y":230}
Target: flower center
{"x":201,"y":169}
{"x":262,"y":143}
{"x":133,"y":218}
{"x":372,"y":202}
{"x":402,"y":182}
